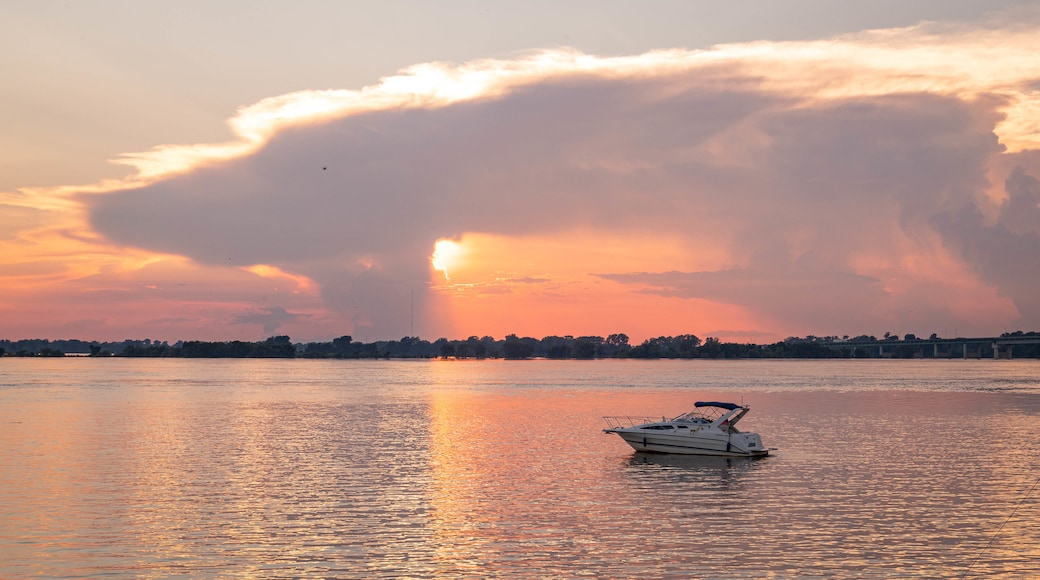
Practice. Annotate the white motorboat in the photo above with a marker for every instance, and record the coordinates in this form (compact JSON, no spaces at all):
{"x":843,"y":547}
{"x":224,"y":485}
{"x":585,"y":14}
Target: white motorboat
{"x":710,"y":429}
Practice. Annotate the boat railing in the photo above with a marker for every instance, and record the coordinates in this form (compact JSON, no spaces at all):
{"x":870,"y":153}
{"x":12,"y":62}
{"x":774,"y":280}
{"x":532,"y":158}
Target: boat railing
{"x":626,"y":421}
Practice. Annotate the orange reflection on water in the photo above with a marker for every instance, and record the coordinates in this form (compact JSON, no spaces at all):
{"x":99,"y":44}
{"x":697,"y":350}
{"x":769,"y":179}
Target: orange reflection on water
{"x":462,"y":455}
{"x":473,"y":447}
{"x":506,"y":494}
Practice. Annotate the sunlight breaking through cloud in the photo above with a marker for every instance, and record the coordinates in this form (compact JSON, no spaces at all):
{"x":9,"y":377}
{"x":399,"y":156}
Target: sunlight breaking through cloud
{"x":788,"y":177}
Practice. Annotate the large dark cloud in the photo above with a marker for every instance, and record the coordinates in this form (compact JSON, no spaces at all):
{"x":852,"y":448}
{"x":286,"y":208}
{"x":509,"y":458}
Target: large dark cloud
{"x":1004,"y":251}
{"x":599,"y":152}
{"x":794,"y":189}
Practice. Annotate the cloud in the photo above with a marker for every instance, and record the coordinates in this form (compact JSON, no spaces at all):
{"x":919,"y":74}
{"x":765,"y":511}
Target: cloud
{"x":271,"y":318}
{"x":849,"y":171}
{"x":1005,"y":253}
{"x":787,"y":296}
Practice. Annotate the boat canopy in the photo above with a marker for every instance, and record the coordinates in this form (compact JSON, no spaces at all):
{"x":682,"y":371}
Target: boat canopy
{"x":729,"y":406}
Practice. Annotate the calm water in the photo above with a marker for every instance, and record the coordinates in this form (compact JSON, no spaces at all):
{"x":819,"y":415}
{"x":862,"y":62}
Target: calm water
{"x":280,"y":468}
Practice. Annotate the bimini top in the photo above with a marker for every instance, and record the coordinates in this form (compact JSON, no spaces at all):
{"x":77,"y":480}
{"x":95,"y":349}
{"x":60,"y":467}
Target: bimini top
{"x":729,"y":406}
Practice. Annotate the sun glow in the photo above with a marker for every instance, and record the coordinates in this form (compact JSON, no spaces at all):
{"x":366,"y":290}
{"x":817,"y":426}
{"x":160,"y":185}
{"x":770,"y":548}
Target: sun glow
{"x":445,"y":254}
{"x":540,"y":285}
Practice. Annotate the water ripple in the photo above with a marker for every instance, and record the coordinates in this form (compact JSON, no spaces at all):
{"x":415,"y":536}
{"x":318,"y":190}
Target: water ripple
{"x":427,"y":470}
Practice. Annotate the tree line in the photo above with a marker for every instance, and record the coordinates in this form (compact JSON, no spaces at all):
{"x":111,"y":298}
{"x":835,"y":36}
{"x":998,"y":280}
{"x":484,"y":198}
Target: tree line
{"x":513,"y":347}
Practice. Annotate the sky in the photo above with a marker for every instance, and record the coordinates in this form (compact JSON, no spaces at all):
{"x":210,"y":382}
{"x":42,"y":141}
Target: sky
{"x":749,"y":171}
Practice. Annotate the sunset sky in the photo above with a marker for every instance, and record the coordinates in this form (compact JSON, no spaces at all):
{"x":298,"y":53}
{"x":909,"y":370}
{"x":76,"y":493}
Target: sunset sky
{"x":749,"y":171}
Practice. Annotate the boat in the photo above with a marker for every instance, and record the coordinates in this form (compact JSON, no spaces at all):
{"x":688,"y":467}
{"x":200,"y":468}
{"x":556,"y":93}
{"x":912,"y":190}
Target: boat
{"x":710,"y":429}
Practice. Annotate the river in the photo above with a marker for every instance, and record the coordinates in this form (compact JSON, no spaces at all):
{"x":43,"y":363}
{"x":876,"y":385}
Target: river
{"x":158,"y":468}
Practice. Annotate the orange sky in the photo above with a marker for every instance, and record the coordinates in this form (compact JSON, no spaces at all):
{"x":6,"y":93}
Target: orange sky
{"x":553,"y":278}
{"x":871,"y":182}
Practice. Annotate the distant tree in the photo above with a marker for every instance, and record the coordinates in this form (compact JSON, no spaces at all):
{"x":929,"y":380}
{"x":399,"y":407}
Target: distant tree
{"x":463,"y":350}
{"x":445,"y":348}
{"x":476,"y":348}
{"x":805,"y":349}
{"x":555,"y":346}
{"x":614,"y":345}
{"x":410,"y":347}
{"x":95,"y":350}
{"x":156,"y":349}
{"x":586,"y":347}
{"x":274,"y":347}
{"x":649,"y":348}
{"x":492,"y":348}
{"x":711,"y":348}
{"x":685,"y":345}
{"x":733,"y":350}
{"x":559,"y":351}
{"x":516,"y":348}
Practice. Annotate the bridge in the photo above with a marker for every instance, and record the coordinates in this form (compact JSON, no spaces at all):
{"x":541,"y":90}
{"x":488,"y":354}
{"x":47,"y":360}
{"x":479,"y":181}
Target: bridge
{"x":1001,"y":346}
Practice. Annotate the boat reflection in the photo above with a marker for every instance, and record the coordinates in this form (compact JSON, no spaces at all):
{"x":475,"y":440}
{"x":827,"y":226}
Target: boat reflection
{"x":685,"y":474}
{"x":692,"y":462}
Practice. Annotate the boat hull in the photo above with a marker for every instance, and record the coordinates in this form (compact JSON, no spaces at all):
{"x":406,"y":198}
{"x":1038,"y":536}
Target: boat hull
{"x":712,"y":444}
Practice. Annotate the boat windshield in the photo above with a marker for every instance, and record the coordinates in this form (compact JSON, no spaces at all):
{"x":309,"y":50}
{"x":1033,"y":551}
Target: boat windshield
{"x":698,"y":417}
{"x":709,"y":412}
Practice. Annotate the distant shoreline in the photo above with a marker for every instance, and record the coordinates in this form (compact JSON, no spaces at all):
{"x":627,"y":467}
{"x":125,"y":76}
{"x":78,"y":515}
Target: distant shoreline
{"x":615,"y":346}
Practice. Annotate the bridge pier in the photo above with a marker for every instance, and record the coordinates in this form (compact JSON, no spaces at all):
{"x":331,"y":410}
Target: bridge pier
{"x":996,"y":351}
